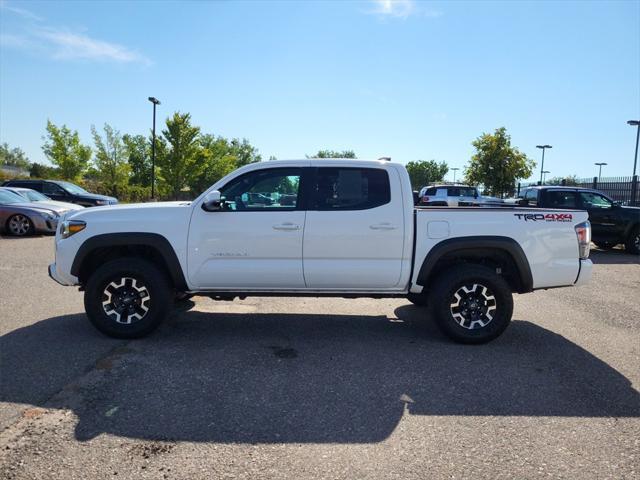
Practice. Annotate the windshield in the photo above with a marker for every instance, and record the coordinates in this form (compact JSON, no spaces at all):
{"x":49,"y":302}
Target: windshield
{"x":9,"y":197}
{"x":71,"y":188}
{"x":34,"y":196}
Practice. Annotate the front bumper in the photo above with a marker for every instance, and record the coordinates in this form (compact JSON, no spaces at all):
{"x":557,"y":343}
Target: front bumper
{"x":62,"y":279}
{"x":44,"y":225}
{"x":584,"y":275}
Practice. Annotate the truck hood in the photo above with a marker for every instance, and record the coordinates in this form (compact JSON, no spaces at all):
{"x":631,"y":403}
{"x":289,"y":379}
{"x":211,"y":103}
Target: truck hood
{"x":127,"y":211}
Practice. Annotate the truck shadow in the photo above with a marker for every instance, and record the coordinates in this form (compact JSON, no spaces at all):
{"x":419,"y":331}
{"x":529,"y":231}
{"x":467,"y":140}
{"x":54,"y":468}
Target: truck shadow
{"x":274,"y":378}
{"x":615,"y":256}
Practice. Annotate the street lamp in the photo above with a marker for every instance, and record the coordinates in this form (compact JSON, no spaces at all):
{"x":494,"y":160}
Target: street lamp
{"x":155,"y":102}
{"x":543,"y":147}
{"x":600,"y":170}
{"x":455,"y":169}
{"x":544,"y":173}
{"x":635,"y":123}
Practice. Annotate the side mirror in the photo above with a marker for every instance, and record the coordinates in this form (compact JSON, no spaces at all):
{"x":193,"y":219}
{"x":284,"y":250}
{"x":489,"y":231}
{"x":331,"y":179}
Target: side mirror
{"x":212,"y":202}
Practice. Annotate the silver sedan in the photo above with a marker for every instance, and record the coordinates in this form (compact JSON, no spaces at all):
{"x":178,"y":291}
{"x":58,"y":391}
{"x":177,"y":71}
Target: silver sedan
{"x":21,"y":218}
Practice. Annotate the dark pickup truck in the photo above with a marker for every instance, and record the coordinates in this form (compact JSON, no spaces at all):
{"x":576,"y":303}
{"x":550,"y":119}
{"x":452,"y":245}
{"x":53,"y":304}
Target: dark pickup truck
{"x":611,"y":223}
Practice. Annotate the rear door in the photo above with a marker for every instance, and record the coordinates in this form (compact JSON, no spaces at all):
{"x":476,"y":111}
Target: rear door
{"x":354,"y":231}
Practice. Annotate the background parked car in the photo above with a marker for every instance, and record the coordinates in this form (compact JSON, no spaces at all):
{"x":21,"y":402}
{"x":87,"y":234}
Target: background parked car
{"x":454,"y":196}
{"x":41,"y":199}
{"x":21,"y":218}
{"x":611,"y":223}
{"x":63,"y":192}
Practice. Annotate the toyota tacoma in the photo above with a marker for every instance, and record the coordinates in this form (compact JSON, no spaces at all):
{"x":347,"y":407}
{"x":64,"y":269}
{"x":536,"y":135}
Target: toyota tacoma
{"x":342,"y":228}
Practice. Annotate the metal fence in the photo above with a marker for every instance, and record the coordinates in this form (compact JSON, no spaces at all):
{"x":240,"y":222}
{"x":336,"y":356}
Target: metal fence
{"x":621,"y":189}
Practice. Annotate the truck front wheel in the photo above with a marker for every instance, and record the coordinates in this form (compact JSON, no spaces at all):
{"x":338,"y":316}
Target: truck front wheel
{"x":127,"y":298}
{"x":471,"y":303}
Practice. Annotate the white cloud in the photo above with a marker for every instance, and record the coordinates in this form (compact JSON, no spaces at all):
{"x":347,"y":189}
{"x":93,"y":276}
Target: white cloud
{"x":401,"y":9}
{"x":394,"y":8}
{"x":62,"y":44}
{"x":68,"y":46}
{"x":20,"y":11}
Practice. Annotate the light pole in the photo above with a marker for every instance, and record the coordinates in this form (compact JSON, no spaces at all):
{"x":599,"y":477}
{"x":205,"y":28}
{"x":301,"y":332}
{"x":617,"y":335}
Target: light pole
{"x":155,"y":102}
{"x":600,"y":164}
{"x":455,"y":169}
{"x":544,"y":175}
{"x":543,"y":147}
{"x":635,"y":123}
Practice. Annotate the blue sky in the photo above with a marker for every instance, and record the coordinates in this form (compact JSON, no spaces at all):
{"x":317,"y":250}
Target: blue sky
{"x":407,"y":79}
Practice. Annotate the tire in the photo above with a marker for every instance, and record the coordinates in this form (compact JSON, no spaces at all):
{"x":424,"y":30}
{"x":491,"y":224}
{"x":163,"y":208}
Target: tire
{"x":419,"y":299}
{"x":604,"y":245}
{"x":632,"y":245}
{"x":19,"y":225}
{"x":127,"y":298}
{"x":476,"y":288}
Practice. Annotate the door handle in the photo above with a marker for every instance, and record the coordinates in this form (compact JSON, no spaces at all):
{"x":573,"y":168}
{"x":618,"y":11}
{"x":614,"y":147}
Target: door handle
{"x":286,"y":226}
{"x":382,"y":226}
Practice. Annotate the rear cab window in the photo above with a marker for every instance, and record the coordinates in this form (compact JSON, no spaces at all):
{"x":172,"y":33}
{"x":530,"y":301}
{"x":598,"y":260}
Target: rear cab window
{"x":561,"y":199}
{"x":338,"y":188}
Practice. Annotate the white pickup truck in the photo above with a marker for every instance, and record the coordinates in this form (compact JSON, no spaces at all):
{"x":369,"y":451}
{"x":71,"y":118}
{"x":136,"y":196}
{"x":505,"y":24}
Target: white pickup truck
{"x":343,"y":228}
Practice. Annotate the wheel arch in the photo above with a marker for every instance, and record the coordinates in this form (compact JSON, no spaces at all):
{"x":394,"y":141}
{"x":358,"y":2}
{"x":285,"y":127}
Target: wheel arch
{"x":495,"y":251}
{"x":152,"y":246}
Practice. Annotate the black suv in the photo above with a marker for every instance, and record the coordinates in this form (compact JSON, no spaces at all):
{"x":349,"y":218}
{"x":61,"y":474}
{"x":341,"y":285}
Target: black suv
{"x":63,"y":192}
{"x":611,"y":223}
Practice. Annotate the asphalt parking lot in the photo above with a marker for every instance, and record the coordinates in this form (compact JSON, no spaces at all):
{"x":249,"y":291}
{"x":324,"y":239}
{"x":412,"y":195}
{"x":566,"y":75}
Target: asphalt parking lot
{"x":318,"y":388}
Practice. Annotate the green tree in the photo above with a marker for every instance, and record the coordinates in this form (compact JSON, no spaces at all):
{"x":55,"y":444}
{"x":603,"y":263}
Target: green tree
{"x":13,"y":157}
{"x":138,"y":152}
{"x":179,"y":165}
{"x":244,"y":152}
{"x":333,"y":154}
{"x":38,"y":170}
{"x":63,"y":148}
{"x":111,"y":159}
{"x":497,"y":164}
{"x":423,"y":172}
{"x":215,"y":160}
{"x":571,"y":180}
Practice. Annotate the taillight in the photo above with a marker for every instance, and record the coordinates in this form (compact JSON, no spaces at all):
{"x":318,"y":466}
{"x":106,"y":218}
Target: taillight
{"x":583,"y":232}
{"x":425,"y":199}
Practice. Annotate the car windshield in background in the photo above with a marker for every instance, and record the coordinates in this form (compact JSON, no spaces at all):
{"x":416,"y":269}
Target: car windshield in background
{"x":71,"y":188}
{"x":7,"y":197}
{"x":34,"y":196}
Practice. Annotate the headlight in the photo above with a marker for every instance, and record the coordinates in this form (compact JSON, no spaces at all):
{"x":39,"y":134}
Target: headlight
{"x":102,"y":202}
{"x":71,"y":227}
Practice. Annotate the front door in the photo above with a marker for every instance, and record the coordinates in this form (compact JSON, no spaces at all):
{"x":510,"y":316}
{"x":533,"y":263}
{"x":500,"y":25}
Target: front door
{"x":354,"y":232}
{"x":54,"y":192}
{"x":601,"y":216}
{"x":255,"y":240}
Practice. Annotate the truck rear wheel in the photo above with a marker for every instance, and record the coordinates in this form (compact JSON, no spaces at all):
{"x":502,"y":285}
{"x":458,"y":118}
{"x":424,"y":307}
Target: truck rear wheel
{"x":471,"y":304}
{"x":127,"y":298}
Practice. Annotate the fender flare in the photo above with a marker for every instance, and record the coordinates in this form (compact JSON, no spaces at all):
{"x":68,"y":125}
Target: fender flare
{"x":503,"y":244}
{"x":153,"y":240}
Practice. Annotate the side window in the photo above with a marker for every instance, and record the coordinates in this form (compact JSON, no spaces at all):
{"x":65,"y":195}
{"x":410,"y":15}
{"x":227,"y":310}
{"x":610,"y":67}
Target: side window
{"x":431,"y":191}
{"x":263,"y":190}
{"x":453,"y":191}
{"x":531,"y":197}
{"x":351,"y":188}
{"x":595,"y":200}
{"x":561,"y":199}
{"x":49,"y":188}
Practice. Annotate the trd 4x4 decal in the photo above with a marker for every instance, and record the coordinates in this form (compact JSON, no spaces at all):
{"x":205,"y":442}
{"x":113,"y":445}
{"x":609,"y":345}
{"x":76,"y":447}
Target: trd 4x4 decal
{"x":544,"y":217}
